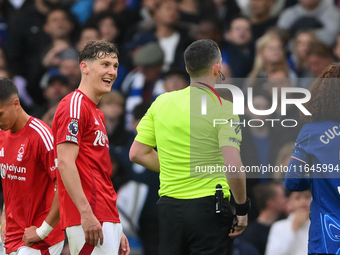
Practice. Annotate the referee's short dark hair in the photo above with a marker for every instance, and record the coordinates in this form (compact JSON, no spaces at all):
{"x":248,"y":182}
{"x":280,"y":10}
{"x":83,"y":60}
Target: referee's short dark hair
{"x":7,"y":89}
{"x":200,"y":56}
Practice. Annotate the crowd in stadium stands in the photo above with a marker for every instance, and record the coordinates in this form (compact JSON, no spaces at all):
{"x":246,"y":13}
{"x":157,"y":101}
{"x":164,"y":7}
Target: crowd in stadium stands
{"x":261,"y":40}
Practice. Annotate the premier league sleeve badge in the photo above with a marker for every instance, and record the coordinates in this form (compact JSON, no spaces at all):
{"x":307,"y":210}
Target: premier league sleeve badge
{"x":73,"y":127}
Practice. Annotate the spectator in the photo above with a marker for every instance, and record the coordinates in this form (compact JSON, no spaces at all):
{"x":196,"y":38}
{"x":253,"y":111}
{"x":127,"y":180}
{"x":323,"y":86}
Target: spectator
{"x":57,"y":88}
{"x":295,"y":227}
{"x":133,"y":46}
{"x":270,"y":55}
{"x":320,"y":57}
{"x":144,"y":83}
{"x":113,"y":107}
{"x":107,"y":24}
{"x":69,"y":67}
{"x":59,"y":28}
{"x":226,"y":10}
{"x":25,"y":43}
{"x":318,"y":15}
{"x":271,"y":201}
{"x":302,"y":45}
{"x":260,"y":17}
{"x":87,"y":34}
{"x":127,"y":16}
{"x":240,"y":48}
{"x":172,"y":39}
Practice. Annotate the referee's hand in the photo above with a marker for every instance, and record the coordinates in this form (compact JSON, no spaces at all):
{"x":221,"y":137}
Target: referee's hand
{"x":242,"y":222}
{"x":92,"y":228}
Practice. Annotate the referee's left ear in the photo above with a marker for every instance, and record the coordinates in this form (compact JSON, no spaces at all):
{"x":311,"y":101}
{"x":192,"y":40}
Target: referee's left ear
{"x":216,"y":68}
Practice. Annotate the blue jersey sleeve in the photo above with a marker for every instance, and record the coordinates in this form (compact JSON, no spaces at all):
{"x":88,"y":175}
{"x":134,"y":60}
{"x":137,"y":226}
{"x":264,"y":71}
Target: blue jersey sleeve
{"x":296,"y":179}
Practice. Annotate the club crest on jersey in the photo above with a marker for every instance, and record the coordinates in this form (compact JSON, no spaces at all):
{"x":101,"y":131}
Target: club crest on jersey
{"x":21,"y":152}
{"x":73,"y":127}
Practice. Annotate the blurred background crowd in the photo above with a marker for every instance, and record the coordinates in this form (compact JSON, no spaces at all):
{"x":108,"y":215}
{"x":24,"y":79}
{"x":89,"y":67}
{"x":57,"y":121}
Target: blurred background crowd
{"x":272,"y":43}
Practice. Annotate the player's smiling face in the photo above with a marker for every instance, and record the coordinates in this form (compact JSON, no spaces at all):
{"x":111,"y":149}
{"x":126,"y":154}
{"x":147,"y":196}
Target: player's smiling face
{"x":102,"y":73}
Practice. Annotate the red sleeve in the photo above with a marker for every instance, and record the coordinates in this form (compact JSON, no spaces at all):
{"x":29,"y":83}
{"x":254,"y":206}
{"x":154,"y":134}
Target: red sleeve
{"x":43,"y":136}
{"x":70,"y":119}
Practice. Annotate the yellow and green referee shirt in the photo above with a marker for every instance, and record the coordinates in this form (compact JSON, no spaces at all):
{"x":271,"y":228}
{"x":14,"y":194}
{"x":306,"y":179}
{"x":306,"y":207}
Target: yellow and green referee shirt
{"x":188,"y":144}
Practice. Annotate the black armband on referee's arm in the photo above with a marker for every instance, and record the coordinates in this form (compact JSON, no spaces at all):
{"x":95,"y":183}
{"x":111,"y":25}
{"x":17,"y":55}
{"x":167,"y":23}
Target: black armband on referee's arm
{"x":243,"y":209}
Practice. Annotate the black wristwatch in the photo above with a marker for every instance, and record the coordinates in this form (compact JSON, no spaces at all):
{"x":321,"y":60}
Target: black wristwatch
{"x":243,"y":209}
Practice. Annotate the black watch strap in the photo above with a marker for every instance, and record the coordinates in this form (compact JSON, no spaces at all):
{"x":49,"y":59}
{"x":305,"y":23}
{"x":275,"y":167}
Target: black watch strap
{"x":243,"y":209}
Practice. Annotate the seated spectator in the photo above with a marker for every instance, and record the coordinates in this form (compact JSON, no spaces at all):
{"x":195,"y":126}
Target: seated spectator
{"x":127,"y":16}
{"x":57,"y":88}
{"x":226,"y":10}
{"x":295,"y":227}
{"x":276,"y":9}
{"x":69,"y":67}
{"x":132,"y":47}
{"x":270,"y":55}
{"x":112,"y":106}
{"x":320,"y":57}
{"x":107,"y":24}
{"x":318,"y":15}
{"x":25,"y":46}
{"x":302,"y":45}
{"x":59,"y":27}
{"x":260,"y":17}
{"x":240,"y":49}
{"x":87,"y":34}
{"x":271,"y":202}
{"x":172,"y":39}
{"x":144,"y":83}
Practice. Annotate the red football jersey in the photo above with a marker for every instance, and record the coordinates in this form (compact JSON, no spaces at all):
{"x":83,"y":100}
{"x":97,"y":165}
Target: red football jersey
{"x":78,"y":120}
{"x":28,"y":169}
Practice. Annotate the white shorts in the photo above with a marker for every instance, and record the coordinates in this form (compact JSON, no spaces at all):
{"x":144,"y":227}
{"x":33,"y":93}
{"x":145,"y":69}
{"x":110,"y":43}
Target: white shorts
{"x":53,"y":250}
{"x":112,"y":233}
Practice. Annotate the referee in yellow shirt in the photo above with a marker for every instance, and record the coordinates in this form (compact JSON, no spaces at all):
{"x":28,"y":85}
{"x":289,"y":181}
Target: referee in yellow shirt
{"x":195,"y":157}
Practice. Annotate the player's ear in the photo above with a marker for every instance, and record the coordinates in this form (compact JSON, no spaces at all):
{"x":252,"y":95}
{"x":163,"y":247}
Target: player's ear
{"x":16,"y":102}
{"x":216,"y":68}
{"x":84,"y":67}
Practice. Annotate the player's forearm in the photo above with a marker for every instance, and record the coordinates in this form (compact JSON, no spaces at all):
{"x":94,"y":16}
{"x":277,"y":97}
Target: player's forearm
{"x":53,"y":216}
{"x":71,"y":180}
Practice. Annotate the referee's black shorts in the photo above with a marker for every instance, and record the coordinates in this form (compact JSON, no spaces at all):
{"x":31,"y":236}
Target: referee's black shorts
{"x":192,"y":227}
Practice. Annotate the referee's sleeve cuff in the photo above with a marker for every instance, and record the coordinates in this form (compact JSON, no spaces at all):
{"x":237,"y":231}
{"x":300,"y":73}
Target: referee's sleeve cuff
{"x":229,"y":144}
{"x":145,"y":140}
